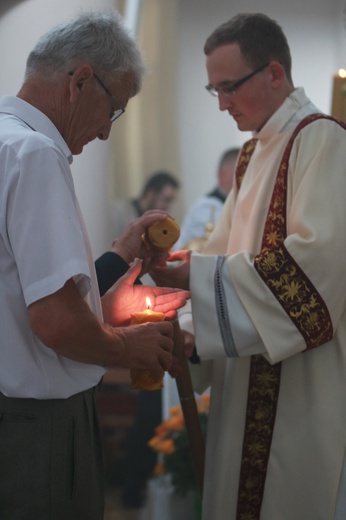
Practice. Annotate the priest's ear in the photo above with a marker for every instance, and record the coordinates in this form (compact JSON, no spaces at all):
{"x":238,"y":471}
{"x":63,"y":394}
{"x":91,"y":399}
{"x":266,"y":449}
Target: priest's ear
{"x":277,"y":72}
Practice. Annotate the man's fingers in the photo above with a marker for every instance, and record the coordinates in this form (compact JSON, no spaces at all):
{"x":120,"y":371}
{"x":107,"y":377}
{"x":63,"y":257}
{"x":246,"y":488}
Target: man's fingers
{"x":148,"y":218}
{"x":165,"y":360}
{"x":171,"y":315}
{"x":132,"y":273}
{"x":169,"y":293}
{"x":164,"y":363}
{"x":166,"y":329}
{"x":171,"y":298}
{"x":157,"y":374}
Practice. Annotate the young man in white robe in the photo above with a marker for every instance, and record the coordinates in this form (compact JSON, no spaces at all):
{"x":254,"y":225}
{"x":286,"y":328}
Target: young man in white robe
{"x":269,"y":292}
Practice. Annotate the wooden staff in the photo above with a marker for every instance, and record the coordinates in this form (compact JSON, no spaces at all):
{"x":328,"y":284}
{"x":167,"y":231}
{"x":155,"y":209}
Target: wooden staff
{"x":189,"y":408}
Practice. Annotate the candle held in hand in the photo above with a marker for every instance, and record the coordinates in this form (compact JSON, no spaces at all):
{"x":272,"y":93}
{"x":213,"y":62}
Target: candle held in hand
{"x":142,"y":379}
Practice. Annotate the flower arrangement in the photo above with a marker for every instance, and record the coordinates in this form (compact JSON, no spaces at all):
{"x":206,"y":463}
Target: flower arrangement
{"x":171,"y":442}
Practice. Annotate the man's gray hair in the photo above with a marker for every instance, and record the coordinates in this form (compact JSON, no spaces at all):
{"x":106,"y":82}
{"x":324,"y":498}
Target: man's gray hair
{"x":97,"y":38}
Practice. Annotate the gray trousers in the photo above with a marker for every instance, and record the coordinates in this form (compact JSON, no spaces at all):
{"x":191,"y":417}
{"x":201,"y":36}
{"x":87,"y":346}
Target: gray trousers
{"x":50,"y":459}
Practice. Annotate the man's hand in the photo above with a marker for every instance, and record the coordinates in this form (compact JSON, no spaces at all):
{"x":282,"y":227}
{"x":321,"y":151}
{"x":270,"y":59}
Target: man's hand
{"x":178,"y":276}
{"x":147,"y":346}
{"x":64,"y":322}
{"x":124,"y":298}
{"x":130,"y":244}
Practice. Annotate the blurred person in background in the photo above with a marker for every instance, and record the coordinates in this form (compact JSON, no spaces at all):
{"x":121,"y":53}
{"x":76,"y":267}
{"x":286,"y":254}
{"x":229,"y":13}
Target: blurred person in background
{"x":200,"y":219}
{"x":159,"y":192}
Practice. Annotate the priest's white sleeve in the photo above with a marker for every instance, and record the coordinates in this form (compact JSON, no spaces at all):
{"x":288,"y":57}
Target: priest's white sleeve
{"x":200,"y":372}
{"x":222,"y":324}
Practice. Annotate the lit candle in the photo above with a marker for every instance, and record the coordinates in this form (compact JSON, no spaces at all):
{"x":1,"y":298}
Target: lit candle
{"x":142,"y":379}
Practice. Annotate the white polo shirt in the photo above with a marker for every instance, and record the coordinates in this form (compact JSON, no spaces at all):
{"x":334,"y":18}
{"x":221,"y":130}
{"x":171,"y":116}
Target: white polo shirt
{"x":43,"y":243}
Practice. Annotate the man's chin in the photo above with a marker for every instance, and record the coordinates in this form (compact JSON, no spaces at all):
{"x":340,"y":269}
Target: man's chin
{"x":77,"y":150}
{"x":239,"y":121}
{"x":242,"y":125}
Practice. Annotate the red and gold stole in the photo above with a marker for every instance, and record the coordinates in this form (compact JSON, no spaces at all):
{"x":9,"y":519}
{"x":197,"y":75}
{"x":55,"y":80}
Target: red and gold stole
{"x":305,"y":307}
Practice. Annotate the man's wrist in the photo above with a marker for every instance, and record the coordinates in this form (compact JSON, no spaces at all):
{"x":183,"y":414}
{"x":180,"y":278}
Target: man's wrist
{"x":121,"y":251}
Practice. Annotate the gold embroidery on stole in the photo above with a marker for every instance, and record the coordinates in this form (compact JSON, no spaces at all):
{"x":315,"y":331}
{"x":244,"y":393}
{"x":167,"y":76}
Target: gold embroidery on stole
{"x":243,"y":160}
{"x":306,"y":309}
{"x":282,"y":275}
{"x":264,"y":381}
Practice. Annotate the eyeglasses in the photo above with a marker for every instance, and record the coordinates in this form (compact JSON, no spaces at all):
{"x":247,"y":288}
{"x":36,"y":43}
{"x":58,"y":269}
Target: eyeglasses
{"x":228,"y":90}
{"x":116,"y":113}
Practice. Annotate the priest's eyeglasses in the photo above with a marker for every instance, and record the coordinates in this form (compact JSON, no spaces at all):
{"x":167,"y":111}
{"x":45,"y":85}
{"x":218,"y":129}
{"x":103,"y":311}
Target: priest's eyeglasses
{"x":228,"y":90}
{"x":115,"y":113}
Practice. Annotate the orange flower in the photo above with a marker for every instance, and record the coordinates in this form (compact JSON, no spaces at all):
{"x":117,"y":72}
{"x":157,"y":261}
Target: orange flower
{"x":172,"y":444}
{"x":167,"y":446}
{"x":175,"y":423}
{"x":160,"y":445}
{"x":161,"y":430}
{"x":159,"y":469}
{"x":175,"y":410}
{"x":154,"y":442}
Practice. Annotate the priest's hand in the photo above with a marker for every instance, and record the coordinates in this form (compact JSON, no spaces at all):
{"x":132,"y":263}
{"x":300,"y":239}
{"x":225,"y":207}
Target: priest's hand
{"x":174,"y":276}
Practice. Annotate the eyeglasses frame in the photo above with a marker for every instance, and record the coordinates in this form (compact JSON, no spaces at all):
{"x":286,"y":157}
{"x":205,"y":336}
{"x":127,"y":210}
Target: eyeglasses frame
{"x":117,"y":113}
{"x":229,"y":91}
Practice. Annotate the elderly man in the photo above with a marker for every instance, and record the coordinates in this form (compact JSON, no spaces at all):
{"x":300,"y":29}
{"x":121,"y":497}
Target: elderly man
{"x":55,"y":344}
{"x":268,"y":293}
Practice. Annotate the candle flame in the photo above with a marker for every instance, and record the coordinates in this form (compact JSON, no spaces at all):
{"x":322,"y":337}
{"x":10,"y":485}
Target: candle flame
{"x":342,"y":73}
{"x":148,"y":302}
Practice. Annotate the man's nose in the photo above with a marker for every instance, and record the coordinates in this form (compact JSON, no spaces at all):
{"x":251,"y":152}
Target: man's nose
{"x":105,"y":131}
{"x":225,"y":102}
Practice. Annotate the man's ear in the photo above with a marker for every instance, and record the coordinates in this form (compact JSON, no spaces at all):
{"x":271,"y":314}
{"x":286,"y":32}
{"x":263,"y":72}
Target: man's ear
{"x":278,"y":73}
{"x":79,"y":79}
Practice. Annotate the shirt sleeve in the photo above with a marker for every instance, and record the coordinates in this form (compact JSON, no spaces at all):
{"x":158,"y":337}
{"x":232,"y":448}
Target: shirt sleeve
{"x":44,"y":231}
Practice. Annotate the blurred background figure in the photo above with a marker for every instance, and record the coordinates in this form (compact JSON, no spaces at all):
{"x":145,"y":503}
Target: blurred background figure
{"x":205,"y":212}
{"x":159,"y":192}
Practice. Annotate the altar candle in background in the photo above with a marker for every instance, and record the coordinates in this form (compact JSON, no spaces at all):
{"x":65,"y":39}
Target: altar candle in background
{"x":142,"y":379}
{"x":338,"y":109}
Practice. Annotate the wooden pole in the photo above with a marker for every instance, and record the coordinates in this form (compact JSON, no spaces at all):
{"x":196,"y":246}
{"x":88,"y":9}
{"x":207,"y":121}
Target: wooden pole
{"x":189,"y":408}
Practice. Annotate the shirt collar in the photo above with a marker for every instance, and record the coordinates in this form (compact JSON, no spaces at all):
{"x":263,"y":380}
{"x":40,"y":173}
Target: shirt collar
{"x":284,"y":117}
{"x":36,"y":120}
